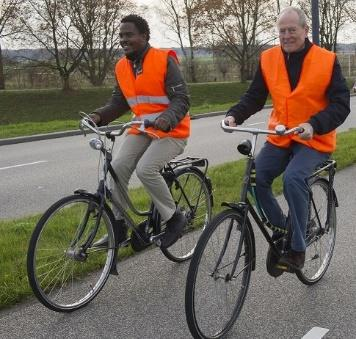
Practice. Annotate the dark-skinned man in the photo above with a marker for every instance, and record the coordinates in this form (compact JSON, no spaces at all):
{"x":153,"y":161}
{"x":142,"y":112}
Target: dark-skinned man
{"x":150,"y":84}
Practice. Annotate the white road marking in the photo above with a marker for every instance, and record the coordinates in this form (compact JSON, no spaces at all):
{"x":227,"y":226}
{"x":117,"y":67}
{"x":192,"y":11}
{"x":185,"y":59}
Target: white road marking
{"x":316,"y":333}
{"x":21,"y":165}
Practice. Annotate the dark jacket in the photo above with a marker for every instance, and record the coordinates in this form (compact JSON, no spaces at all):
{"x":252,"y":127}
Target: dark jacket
{"x":324,"y":121}
{"x":176,"y":90}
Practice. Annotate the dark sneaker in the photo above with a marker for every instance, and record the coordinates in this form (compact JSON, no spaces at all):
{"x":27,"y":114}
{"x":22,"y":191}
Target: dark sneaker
{"x":272,"y":258}
{"x":121,"y":235}
{"x":175,"y":226}
{"x":293,"y":259}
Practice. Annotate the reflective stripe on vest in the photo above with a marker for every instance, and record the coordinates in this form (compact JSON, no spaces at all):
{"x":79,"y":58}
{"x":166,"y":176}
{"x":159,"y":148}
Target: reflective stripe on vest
{"x":292,"y":108}
{"x":147,"y":99}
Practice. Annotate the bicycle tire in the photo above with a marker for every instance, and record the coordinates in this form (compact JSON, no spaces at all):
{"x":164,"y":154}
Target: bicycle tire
{"x":208,"y":314}
{"x":62,"y":277}
{"x":191,"y":179}
{"x":320,"y":245}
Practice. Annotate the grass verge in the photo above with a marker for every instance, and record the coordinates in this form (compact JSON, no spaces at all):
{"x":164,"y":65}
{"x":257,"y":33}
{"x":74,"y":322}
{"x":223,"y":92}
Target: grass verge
{"x":28,"y":112}
{"x":226,"y":179}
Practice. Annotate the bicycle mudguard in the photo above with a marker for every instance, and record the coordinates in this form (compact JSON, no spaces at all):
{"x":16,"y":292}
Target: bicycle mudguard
{"x":238,"y":207}
{"x":327,"y":182}
{"x":96,"y":198}
{"x":333,"y":190}
{"x":85,"y":193}
{"x":207,"y":180}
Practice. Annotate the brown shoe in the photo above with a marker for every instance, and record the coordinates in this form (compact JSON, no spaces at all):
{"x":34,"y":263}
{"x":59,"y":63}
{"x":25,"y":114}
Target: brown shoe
{"x":293,"y":259}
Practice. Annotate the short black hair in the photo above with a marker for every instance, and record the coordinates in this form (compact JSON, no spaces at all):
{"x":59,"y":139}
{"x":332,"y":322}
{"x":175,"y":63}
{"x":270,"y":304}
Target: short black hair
{"x":140,"y":23}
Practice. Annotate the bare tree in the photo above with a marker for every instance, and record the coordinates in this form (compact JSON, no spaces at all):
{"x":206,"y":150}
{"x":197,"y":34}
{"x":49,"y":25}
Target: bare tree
{"x":9,"y":26}
{"x":97,"y":22}
{"x":238,"y":27}
{"x":50,"y":26}
{"x":280,"y":4}
{"x":351,"y":11}
{"x":333,"y":14}
{"x":181,"y":17}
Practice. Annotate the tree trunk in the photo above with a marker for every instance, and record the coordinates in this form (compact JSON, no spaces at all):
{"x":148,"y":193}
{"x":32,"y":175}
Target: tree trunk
{"x":243,"y":75}
{"x":192,"y":69}
{"x":66,"y":84}
{"x":192,"y":65}
{"x":2,"y":78}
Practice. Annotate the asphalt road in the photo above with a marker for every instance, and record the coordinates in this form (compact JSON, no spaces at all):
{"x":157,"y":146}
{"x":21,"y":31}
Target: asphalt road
{"x":146,"y":300}
{"x":34,"y":175}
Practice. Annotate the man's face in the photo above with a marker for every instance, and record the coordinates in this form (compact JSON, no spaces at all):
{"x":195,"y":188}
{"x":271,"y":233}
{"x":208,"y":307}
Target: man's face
{"x":131,"y":40}
{"x":291,"y":34}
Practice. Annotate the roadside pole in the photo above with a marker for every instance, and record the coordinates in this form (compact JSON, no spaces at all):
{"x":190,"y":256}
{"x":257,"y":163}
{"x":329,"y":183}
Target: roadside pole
{"x":315,"y":21}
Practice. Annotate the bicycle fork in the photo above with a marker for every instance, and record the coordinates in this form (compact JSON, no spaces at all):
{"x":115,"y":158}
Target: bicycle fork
{"x":230,"y":276}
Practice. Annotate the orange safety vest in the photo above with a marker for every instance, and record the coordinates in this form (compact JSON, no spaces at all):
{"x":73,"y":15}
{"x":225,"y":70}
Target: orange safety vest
{"x":146,"y":94}
{"x":291,"y":108}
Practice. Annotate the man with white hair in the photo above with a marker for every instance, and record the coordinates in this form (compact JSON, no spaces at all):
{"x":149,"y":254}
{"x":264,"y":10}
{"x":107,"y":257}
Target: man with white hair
{"x":307,"y":90}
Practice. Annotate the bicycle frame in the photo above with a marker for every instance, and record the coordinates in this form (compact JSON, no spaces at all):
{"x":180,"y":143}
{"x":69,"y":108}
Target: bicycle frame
{"x":103,"y":193}
{"x":244,"y":206}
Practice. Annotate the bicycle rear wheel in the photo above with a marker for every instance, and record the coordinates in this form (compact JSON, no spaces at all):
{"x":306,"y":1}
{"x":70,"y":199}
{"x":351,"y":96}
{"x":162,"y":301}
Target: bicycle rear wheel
{"x":320,"y":234}
{"x":192,"y":195}
{"x":214,"y":299}
{"x":62,"y":275}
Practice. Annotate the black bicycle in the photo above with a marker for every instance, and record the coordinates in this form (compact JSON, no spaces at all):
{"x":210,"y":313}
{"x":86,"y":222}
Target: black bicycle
{"x":220,"y":270}
{"x":65,"y":268}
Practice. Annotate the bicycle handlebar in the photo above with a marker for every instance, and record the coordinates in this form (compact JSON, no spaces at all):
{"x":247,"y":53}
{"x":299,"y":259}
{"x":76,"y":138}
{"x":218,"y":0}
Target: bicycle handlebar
{"x":279,"y":130}
{"x":87,"y":122}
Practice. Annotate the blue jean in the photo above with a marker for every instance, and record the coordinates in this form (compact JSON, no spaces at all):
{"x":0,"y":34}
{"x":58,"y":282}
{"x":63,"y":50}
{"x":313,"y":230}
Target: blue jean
{"x":298,"y":163}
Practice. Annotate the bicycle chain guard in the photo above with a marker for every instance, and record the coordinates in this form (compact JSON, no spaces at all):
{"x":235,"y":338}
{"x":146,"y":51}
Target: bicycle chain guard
{"x":137,"y":242}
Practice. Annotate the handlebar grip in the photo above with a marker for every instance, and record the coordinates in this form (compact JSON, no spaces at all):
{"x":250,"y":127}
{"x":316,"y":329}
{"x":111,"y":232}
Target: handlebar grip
{"x":226,"y":125}
{"x":148,"y":123}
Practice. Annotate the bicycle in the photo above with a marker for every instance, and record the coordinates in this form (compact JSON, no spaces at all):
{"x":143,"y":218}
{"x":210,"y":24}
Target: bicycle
{"x":66,"y":271}
{"x":220,"y":270}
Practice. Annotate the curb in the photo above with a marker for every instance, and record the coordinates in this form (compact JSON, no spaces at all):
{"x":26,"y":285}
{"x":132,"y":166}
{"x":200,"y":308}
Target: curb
{"x":54,"y":135}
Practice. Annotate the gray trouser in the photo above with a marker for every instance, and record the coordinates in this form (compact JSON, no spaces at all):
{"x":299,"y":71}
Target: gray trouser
{"x":148,"y":156}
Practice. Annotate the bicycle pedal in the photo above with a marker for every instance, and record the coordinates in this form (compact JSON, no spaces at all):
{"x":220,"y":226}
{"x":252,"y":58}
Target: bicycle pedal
{"x":156,"y":239}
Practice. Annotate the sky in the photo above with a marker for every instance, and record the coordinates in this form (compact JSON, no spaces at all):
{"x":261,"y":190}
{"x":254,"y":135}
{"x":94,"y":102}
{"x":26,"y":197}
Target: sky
{"x":161,"y":38}
{"x":159,"y":35}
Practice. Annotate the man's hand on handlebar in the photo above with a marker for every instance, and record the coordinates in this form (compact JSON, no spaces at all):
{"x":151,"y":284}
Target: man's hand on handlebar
{"x":230,"y":121}
{"x":308,"y":132}
{"x":162,"y":124}
{"x":96,"y":118}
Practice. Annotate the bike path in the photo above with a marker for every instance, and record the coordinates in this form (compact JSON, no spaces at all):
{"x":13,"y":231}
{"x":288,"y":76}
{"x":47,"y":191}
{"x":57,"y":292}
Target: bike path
{"x":147,"y":299}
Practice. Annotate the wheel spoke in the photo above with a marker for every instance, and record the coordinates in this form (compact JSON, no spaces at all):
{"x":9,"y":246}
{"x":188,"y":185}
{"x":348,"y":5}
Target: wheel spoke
{"x":214,"y":298}
{"x":196,"y":205}
{"x":320,"y":244}
{"x":66,"y":277}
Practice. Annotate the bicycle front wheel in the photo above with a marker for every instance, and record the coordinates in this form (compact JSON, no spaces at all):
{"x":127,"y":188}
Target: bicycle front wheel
{"x":62,"y":274}
{"x":192,"y":196}
{"x":320,"y":234}
{"x":215,"y":292}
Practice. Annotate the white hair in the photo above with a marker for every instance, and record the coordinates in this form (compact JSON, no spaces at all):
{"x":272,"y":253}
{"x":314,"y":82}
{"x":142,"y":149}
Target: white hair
{"x":301,"y":15}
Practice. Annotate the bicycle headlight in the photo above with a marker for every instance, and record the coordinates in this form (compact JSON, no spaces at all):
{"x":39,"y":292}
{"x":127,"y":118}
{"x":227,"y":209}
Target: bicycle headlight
{"x":244,"y":147}
{"x":96,"y":144}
